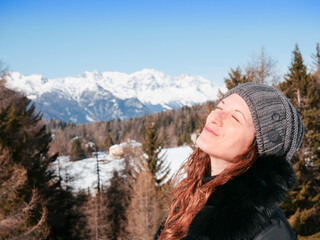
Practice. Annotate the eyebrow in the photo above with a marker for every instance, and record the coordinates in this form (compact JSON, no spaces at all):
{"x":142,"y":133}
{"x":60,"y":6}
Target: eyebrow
{"x":237,"y":111}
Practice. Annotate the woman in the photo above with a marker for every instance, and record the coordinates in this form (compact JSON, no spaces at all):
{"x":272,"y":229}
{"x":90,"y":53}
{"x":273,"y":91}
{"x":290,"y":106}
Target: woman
{"x":240,"y":171}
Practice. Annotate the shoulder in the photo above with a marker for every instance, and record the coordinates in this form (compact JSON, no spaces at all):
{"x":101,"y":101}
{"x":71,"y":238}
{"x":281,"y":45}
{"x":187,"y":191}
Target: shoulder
{"x":279,"y":229}
{"x":276,"y":228}
{"x":245,"y":206}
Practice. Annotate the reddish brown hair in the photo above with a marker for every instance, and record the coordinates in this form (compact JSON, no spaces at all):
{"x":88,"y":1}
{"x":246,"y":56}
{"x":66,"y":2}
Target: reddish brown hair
{"x":190,"y":195}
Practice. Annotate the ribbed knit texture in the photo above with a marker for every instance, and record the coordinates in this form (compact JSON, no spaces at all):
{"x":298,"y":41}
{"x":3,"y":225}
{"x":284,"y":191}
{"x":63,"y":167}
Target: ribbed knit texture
{"x":278,"y":126}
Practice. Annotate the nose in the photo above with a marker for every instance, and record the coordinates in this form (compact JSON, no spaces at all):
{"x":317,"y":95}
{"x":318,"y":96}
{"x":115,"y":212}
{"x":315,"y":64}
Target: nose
{"x":217,"y":117}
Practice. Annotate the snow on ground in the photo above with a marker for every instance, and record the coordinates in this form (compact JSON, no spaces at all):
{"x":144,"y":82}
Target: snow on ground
{"x":83,"y":174}
{"x":177,"y":156}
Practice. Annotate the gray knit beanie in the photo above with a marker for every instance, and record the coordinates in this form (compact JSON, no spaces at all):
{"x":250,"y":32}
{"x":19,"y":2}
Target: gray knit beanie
{"x":278,"y":126}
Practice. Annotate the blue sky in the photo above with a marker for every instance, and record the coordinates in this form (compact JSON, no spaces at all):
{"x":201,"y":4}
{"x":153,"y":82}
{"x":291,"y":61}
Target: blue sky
{"x":205,"y":38}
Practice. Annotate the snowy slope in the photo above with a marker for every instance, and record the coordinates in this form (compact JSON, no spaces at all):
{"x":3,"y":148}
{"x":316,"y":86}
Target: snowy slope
{"x":82,"y":174}
{"x":95,"y":96}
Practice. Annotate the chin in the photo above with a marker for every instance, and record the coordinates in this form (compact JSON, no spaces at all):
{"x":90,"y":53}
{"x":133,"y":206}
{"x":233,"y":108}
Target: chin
{"x":198,"y":141}
{"x":213,"y":150}
{"x":201,"y":143}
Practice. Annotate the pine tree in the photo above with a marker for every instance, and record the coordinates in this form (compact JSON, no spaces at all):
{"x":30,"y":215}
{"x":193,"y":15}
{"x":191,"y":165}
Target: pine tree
{"x":80,"y":229}
{"x":316,"y":57}
{"x":108,"y":142}
{"x":25,"y":137}
{"x":117,"y":201}
{"x":302,"y":207}
{"x":77,"y":152}
{"x":316,"y":62}
{"x":297,"y":81}
{"x":152,"y":147}
{"x":14,"y":211}
{"x":236,"y":77}
{"x":28,"y":142}
{"x":65,"y":216}
{"x":300,"y":87}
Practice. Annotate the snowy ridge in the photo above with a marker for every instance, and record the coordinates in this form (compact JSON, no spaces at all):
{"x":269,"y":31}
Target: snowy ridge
{"x":148,"y":90}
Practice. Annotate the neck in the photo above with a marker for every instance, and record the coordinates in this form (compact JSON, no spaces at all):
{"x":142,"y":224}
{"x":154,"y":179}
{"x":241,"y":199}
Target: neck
{"x":218,"y":165}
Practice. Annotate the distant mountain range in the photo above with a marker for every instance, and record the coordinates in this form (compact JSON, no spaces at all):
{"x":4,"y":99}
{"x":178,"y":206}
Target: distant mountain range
{"x":95,"y":96}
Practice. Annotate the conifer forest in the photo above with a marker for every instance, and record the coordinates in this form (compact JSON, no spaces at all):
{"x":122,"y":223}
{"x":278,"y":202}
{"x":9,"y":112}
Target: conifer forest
{"x":34,"y":204}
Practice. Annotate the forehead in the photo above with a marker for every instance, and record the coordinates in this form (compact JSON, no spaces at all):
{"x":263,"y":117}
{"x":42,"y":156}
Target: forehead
{"x":237,"y":103}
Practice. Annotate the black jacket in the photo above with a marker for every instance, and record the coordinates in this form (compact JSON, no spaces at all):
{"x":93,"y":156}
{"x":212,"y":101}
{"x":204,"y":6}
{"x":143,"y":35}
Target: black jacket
{"x":246,"y":207}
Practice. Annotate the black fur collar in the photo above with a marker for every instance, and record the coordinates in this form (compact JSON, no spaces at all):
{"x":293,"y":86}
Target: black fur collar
{"x":242,"y":207}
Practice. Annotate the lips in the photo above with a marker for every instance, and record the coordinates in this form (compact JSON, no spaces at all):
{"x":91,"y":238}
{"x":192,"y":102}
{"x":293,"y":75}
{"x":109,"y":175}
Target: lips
{"x":210,"y":131}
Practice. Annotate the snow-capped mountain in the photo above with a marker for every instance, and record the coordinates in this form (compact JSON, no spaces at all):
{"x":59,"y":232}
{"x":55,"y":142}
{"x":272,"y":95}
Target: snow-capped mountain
{"x":95,"y":96}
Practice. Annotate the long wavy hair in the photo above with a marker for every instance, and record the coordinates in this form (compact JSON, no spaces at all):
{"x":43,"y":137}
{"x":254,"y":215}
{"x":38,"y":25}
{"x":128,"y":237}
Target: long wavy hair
{"x":191,"y":194}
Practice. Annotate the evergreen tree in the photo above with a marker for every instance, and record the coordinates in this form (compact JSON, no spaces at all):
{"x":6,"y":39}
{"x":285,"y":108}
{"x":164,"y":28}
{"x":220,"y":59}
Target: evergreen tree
{"x":152,"y":147}
{"x":25,"y":137}
{"x":108,"y":142}
{"x":80,"y":228}
{"x":14,"y":211}
{"x":302,"y":207}
{"x":297,"y":82}
{"x":77,"y":152}
{"x":65,"y":219}
{"x":117,"y":200}
{"x":316,"y":72}
{"x":180,"y":140}
{"x":316,"y":57}
{"x":300,"y":87}
{"x":28,"y":142}
{"x":236,"y":77}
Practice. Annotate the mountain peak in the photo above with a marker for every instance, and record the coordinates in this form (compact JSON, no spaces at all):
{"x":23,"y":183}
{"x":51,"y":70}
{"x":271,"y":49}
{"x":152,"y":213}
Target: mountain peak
{"x":153,"y":73}
{"x":95,"y":74}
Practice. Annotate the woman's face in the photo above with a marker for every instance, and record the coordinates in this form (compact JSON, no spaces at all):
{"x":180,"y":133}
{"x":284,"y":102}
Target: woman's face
{"x":229,"y":129}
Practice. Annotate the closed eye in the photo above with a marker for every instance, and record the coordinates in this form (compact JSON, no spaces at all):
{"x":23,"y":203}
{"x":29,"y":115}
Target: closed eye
{"x":236,"y":119}
{"x":232,"y":115}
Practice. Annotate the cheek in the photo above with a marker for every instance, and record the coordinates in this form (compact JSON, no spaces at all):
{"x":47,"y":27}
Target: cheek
{"x":203,"y":139}
{"x":207,"y":143}
{"x":237,"y":140}
{"x":208,"y":117}
{"x":246,"y":140}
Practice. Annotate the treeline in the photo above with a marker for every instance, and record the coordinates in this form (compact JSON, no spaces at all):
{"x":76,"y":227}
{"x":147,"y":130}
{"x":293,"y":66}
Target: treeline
{"x":175,"y":128}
